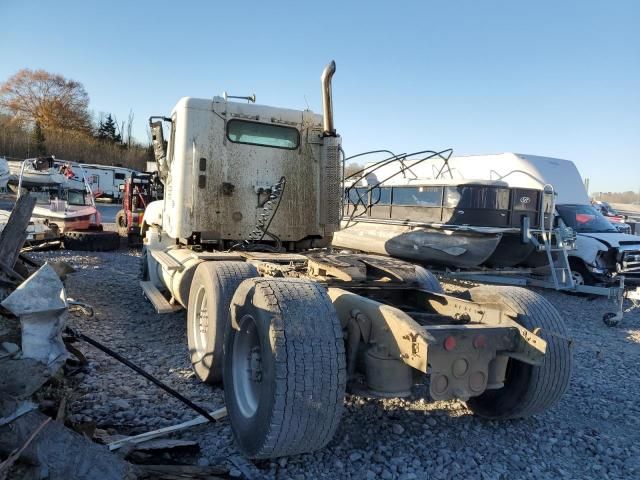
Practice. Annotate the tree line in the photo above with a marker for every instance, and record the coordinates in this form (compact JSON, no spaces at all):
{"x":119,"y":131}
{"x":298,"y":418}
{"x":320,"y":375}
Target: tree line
{"x":47,"y":114}
{"x":617,"y":197}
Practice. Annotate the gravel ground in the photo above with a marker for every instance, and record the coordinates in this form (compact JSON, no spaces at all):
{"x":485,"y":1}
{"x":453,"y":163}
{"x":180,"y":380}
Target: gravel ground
{"x":594,"y":432}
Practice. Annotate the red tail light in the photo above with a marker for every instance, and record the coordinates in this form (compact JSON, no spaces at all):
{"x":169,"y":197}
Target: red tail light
{"x":449,"y":343}
{"x":479,"y":341}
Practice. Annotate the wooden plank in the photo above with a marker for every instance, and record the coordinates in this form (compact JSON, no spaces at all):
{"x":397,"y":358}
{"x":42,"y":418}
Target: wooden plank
{"x":14,"y":234}
{"x":143,"y":437}
{"x":155,"y":296}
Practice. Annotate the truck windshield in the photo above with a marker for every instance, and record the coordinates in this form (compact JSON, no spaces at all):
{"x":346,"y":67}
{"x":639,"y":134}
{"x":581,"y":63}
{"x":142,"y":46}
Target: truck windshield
{"x":584,"y":219}
{"x":263,"y":134}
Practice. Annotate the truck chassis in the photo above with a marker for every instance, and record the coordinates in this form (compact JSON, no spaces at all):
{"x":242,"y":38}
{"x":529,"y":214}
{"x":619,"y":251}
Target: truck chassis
{"x":291,"y":333}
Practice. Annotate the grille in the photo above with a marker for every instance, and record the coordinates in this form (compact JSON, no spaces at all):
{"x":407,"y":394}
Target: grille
{"x":631,"y":261}
{"x":331,"y":178}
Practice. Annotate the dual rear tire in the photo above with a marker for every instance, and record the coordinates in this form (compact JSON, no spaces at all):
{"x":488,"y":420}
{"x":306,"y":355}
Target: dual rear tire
{"x":278,"y":345}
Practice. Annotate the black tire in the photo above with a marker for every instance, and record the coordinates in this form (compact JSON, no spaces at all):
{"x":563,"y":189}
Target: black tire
{"x":579,"y":271}
{"x":91,"y":241}
{"x":133,"y":240}
{"x":212,"y":288}
{"x":144,"y":264}
{"x":528,"y":390}
{"x":299,"y":396}
{"x":121,"y":223}
{"x":427,"y":280}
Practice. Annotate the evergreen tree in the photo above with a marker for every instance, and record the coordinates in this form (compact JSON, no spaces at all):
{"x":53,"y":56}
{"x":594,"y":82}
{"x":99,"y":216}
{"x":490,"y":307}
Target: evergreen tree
{"x":37,"y":137}
{"x":107,"y":130}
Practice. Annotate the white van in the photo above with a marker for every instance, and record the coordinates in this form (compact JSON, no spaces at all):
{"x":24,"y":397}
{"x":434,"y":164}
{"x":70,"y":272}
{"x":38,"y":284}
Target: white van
{"x":602,"y":253}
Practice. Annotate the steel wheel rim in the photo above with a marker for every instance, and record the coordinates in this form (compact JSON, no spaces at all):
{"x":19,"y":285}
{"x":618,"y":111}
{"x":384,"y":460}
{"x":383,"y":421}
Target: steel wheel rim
{"x":577,"y":277}
{"x":201,"y":321}
{"x":246,"y":368}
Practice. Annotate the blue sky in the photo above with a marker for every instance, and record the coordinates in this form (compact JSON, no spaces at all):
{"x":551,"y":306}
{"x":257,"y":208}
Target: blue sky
{"x":546,"y":77}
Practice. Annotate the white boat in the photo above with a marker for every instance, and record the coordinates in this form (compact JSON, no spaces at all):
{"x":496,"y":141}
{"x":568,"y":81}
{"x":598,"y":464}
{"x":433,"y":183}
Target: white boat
{"x":39,"y":230}
{"x":62,"y":203}
{"x":35,"y":172}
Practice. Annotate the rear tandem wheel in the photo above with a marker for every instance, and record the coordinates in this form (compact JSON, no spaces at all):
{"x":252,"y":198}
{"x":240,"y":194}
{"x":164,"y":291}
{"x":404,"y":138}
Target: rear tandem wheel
{"x":528,"y":390}
{"x":284,"y":367}
{"x":212,"y":289}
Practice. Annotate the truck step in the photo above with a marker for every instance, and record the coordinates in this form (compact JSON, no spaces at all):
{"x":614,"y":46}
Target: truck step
{"x":167,"y":261}
{"x":157,"y":299}
{"x":217,"y":256}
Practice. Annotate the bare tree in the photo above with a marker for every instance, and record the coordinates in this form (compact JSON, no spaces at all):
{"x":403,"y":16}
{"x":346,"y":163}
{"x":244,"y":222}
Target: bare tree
{"x":129,"y":128}
{"x":352,"y":168}
{"x":53,"y":101}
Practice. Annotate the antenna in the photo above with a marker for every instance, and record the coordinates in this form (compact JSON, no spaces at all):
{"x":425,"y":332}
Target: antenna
{"x":250,"y":99}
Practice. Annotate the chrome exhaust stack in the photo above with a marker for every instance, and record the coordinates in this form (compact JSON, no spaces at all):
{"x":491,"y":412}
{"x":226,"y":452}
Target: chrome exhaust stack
{"x":327,"y":104}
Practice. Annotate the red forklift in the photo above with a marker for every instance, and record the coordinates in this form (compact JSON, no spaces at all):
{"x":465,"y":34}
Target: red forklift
{"x":138,"y":191}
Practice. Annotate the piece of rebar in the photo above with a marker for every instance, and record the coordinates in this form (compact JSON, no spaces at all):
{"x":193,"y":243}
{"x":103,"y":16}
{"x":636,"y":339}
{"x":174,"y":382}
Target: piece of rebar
{"x":146,"y":375}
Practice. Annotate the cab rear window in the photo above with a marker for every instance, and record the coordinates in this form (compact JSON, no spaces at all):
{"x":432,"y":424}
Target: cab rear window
{"x":263,"y":134}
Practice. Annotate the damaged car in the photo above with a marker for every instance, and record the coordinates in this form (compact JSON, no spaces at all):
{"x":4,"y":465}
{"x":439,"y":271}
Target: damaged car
{"x":602,"y":252}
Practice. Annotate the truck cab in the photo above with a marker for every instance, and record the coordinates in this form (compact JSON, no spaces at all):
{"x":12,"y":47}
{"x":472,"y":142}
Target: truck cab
{"x":224,"y":162}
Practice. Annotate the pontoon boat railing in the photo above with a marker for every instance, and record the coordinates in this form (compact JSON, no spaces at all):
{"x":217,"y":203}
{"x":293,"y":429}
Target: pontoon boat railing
{"x":444,"y":155}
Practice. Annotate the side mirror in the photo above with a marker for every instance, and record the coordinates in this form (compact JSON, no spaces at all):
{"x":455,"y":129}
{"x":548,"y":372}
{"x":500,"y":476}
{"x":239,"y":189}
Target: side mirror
{"x":159,"y":144}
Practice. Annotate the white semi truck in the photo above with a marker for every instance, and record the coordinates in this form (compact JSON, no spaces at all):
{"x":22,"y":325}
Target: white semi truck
{"x":252,"y":198}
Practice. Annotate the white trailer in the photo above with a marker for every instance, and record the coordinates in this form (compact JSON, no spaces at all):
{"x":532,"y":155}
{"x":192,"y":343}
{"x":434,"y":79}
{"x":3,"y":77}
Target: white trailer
{"x":106,"y":180}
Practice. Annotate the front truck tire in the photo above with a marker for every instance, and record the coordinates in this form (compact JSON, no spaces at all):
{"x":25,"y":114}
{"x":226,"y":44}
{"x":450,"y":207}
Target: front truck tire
{"x":212,"y":289}
{"x":528,"y":390}
{"x":284,"y":367}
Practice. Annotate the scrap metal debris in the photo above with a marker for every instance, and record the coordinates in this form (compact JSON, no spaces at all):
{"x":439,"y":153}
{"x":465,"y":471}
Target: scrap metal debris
{"x":143,"y":437}
{"x":40,"y":302}
{"x":13,"y":236}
